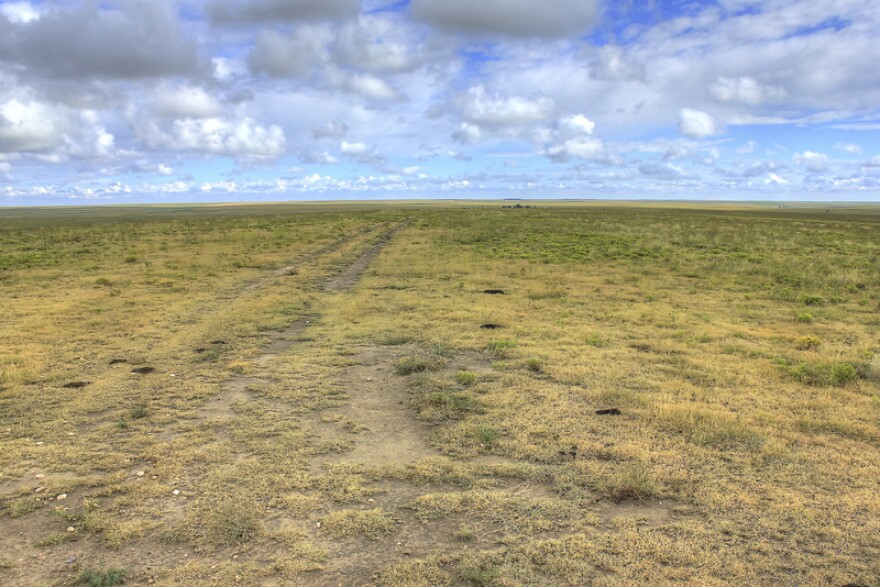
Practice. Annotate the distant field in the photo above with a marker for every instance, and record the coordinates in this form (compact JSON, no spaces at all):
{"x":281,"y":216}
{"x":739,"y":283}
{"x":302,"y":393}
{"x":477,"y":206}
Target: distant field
{"x":447,"y":393}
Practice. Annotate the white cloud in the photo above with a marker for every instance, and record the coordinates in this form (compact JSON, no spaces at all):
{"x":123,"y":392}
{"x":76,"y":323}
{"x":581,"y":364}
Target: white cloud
{"x":812,"y":161}
{"x":20,"y":12}
{"x":521,"y":18}
{"x":362,"y":153}
{"x":242,"y":138}
{"x":579,"y":123}
{"x":482,"y":108}
{"x":850,"y":148}
{"x":772,"y":178}
{"x":185,"y":102}
{"x":165,"y":170}
{"x":29,"y":126}
{"x":696,"y":124}
{"x":744,"y":89}
{"x":5,"y":167}
{"x":467,"y":134}
{"x":588,"y":149}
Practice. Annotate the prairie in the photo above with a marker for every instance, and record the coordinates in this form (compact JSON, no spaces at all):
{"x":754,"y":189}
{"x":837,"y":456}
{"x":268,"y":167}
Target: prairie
{"x":459,"y":393}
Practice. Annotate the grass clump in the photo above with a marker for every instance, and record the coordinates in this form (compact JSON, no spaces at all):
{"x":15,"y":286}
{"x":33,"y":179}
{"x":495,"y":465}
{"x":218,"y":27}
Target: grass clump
{"x":465,"y":378}
{"x":808,"y":343}
{"x":535,"y":365}
{"x":102,"y":578}
{"x":418,"y":364}
{"x":370,"y":523}
{"x":805,"y":318}
{"x":812,"y":300}
{"x":824,"y":374}
{"x":231,"y":522}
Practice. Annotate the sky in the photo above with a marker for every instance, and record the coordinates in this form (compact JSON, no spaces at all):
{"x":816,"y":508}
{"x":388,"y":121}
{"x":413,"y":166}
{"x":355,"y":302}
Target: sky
{"x":131,"y":101}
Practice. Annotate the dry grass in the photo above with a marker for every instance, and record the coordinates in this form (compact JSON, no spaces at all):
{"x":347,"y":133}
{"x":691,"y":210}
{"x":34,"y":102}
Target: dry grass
{"x":740,"y":348}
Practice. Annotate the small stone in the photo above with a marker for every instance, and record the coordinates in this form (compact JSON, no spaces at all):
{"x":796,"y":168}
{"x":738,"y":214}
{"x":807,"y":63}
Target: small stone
{"x":40,"y":476}
{"x":61,"y":497}
{"x":71,"y":560}
{"x":40,"y":443}
{"x":176,"y":492}
{"x":39,"y":490}
{"x":317,"y":524}
{"x":234,"y":557}
{"x":371,"y":500}
{"x":140,"y":473}
{"x":71,"y":529}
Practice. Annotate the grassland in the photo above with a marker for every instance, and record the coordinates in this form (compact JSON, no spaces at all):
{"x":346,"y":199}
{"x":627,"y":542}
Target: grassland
{"x":308,"y":395}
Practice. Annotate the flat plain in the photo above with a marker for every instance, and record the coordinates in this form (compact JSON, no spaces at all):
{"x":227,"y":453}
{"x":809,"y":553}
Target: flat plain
{"x":473,"y":394}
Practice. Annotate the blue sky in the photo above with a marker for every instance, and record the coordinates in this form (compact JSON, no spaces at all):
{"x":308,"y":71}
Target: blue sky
{"x":223,"y":100}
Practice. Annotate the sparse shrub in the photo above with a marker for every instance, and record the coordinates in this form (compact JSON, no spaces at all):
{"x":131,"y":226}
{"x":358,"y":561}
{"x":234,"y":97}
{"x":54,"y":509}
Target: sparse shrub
{"x":812,"y":300}
{"x":824,"y":374}
{"x":417,"y":364}
{"x":808,"y":343}
{"x":535,"y":365}
{"x":138,"y":412}
{"x":487,"y":435}
{"x":106,"y":578}
{"x":131,"y":259}
{"x":466,"y":378}
{"x":597,"y":340}
{"x":103,"y":282}
{"x":805,"y":318}
{"x":464,"y":533}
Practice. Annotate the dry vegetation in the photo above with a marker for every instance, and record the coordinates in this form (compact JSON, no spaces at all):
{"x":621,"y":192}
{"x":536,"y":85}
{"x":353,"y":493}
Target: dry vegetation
{"x":327,"y":396}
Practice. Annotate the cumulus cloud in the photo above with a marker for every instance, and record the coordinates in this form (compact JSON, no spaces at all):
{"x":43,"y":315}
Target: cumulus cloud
{"x":696,"y":124}
{"x":259,"y":11}
{"x":335,"y":129}
{"x":241,"y":138}
{"x":185,"y":102}
{"x":519,"y":18}
{"x":377,"y":45}
{"x":120,"y":40}
{"x":467,"y":134}
{"x":588,"y":149}
{"x":362,"y":153}
{"x":29,"y":126}
{"x":850,"y":148}
{"x":482,"y":108}
{"x":812,"y":161}
{"x":282,"y":55}
{"x":746,"y":90}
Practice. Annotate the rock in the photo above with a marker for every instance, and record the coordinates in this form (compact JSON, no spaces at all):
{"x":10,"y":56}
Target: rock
{"x":40,"y":476}
{"x":317,"y":524}
{"x":140,"y":473}
{"x":609,"y":412}
{"x":176,"y":492}
{"x":71,"y":530}
{"x":39,"y":490}
{"x":61,"y":497}
{"x":71,"y":560}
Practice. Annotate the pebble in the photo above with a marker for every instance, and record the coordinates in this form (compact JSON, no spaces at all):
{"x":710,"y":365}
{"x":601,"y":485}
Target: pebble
{"x":71,"y":529}
{"x":71,"y":560}
{"x":317,"y":524}
{"x":40,"y":442}
{"x":61,"y":497}
{"x":176,"y":492}
{"x":39,"y":490}
{"x":40,"y":476}
{"x":140,"y":473}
